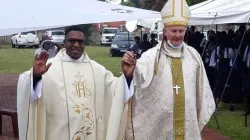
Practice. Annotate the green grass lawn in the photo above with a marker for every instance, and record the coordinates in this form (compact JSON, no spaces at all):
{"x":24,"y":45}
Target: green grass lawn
{"x":20,"y":60}
{"x":231,"y":124}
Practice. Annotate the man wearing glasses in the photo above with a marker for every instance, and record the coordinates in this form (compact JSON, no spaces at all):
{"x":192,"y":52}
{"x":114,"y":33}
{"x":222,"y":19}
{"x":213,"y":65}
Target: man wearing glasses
{"x":70,"y":97}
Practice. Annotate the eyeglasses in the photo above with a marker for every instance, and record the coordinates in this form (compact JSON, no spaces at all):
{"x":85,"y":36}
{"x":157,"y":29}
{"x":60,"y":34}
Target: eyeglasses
{"x":73,"y":41}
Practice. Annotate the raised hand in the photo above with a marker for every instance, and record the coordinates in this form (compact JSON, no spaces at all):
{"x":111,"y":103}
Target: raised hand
{"x":39,"y":66}
{"x":128,"y":64}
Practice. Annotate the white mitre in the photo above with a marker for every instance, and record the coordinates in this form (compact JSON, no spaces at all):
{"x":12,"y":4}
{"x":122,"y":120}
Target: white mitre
{"x":175,"y":13}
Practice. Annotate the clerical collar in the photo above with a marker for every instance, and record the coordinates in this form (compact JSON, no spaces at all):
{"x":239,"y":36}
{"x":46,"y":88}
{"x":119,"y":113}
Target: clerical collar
{"x":79,"y":60}
{"x":62,"y":56}
{"x":174,"y":47}
{"x":171,"y":50}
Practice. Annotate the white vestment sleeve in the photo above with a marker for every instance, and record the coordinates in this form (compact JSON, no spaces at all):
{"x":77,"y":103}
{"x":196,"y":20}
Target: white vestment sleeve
{"x":205,"y":99}
{"x":36,"y":93}
{"x":129,"y":91}
{"x":31,"y":116}
{"x":114,"y":87}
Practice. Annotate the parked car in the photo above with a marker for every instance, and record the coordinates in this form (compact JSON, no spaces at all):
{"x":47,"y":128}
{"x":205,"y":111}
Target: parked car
{"x":108,"y":34}
{"x":121,"y":43}
{"x":25,"y":39}
{"x":57,"y":36}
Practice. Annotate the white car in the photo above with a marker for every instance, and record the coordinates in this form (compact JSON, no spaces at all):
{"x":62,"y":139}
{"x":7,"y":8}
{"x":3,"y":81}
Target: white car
{"x":25,"y":39}
{"x":57,"y":36}
{"x":108,"y":35}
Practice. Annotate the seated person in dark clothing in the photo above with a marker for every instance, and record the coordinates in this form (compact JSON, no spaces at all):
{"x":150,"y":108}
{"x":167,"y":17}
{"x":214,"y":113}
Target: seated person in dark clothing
{"x":136,"y":47}
{"x":145,"y":45}
{"x":153,"y":42}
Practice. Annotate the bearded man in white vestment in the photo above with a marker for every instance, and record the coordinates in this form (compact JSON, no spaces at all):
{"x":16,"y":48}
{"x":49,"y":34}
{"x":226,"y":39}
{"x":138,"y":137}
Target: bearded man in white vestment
{"x":173,"y":99}
{"x":70,"y":97}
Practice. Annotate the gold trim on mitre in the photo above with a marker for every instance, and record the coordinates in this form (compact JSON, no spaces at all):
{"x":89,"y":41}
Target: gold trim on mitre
{"x":175,"y":13}
{"x":175,"y":23}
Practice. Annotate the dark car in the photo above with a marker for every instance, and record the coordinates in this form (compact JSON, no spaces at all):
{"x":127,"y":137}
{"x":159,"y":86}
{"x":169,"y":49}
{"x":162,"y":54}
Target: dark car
{"x":121,"y":43}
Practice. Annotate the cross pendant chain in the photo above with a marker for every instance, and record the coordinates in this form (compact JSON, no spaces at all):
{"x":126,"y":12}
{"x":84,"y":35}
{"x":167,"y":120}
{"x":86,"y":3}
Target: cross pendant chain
{"x":175,"y":79}
{"x":176,"y":89}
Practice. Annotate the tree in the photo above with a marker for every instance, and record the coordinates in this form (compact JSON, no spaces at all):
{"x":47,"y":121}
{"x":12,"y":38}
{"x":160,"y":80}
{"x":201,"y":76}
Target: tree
{"x":128,"y":3}
{"x":148,"y":4}
{"x":193,"y":2}
{"x":87,"y":29}
{"x":159,"y":5}
{"x":136,"y":3}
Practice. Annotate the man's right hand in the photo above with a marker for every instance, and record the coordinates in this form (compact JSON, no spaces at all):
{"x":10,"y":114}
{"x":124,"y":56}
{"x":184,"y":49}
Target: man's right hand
{"x":39,"y":66}
{"x":128,"y":64}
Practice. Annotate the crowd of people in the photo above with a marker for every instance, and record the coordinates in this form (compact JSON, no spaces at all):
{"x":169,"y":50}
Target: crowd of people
{"x":143,"y":45}
{"x":226,"y":58}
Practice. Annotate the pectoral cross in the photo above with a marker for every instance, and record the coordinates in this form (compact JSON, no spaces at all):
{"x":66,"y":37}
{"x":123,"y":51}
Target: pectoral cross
{"x":176,"y":89}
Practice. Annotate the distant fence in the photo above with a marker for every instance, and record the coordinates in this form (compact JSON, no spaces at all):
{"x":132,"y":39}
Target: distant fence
{"x":5,"y":39}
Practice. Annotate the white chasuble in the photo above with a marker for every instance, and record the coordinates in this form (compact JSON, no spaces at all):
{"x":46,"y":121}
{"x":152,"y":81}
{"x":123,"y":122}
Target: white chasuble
{"x":79,"y":101}
{"x":153,"y":112}
{"x":72,"y":99}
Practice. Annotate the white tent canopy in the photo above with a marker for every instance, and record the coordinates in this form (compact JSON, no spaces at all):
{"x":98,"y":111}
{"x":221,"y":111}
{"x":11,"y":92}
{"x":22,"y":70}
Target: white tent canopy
{"x":212,"y":12}
{"x":220,"y":12}
{"x":148,"y":23}
{"x":28,"y":15}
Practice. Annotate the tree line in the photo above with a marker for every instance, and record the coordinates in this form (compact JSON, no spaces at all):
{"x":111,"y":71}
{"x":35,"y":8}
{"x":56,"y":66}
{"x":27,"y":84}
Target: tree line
{"x":156,"y":5}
